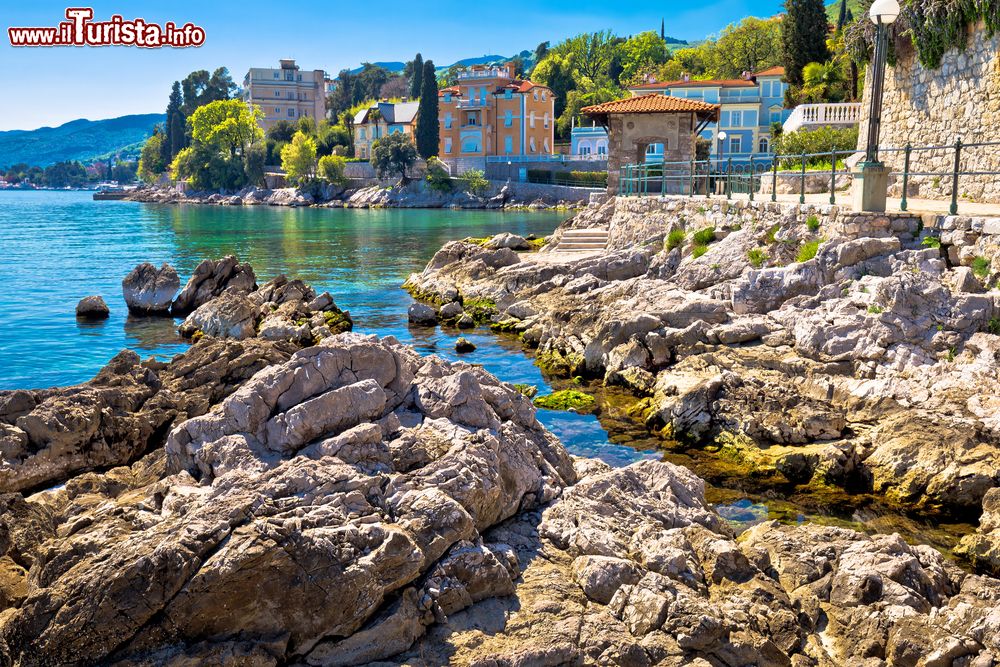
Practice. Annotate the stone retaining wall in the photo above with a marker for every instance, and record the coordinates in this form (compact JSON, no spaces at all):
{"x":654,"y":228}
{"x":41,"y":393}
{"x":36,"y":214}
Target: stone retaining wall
{"x":960,"y":99}
{"x":789,"y":182}
{"x":639,"y":219}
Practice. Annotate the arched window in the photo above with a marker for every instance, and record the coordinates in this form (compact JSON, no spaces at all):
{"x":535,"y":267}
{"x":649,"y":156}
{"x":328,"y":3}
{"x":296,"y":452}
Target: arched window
{"x":602,"y":148}
{"x":545,"y":119}
{"x":764,"y":146}
{"x":531,"y":144}
{"x":545,"y":145}
{"x":531,"y":119}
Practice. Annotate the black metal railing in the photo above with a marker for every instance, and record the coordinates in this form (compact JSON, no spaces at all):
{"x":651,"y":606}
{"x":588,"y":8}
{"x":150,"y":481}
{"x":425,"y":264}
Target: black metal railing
{"x":724,"y":176}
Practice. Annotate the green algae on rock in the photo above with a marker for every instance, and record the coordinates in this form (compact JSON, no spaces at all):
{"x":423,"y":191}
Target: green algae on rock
{"x":567,"y":399}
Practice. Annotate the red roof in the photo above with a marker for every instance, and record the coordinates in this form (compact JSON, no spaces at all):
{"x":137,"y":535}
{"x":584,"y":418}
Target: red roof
{"x":777,"y":70}
{"x":454,"y":90}
{"x":652,"y":103}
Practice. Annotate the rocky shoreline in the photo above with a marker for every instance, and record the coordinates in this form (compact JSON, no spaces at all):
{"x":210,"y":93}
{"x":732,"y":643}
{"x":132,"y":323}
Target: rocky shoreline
{"x":413,"y":195}
{"x":288,"y":492}
{"x":868,"y":365}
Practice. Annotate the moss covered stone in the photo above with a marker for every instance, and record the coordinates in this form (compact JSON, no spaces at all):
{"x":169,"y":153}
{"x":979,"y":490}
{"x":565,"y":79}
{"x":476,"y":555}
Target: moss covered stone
{"x":567,"y":399}
{"x":480,"y":310}
{"x":554,"y":362}
{"x":528,"y":390}
{"x":338,"y":321}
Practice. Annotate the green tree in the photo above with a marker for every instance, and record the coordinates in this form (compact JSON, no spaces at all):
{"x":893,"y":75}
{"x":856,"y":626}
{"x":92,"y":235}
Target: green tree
{"x":224,"y":152}
{"x":475,"y":182}
{"x":804,"y":31}
{"x":229,"y":126}
{"x":427,"y":130}
{"x":369,"y":82}
{"x":174,"y":140}
{"x":417,"y":76}
{"x":298,"y":158}
{"x":282,"y":130}
{"x":556,"y":72}
{"x":749,"y":46}
{"x":592,"y":55}
{"x":823,"y":82}
{"x":331,"y":168}
{"x":200,"y":88}
{"x":640,"y":55}
{"x":394,"y":154}
{"x":151,"y":162}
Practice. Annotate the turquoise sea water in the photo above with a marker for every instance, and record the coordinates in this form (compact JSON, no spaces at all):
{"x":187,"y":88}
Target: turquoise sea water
{"x":57,"y":247}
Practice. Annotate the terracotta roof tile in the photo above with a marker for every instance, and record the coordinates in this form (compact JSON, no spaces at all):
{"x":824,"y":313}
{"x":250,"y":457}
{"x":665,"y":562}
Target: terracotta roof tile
{"x":652,"y":103}
{"x":777,"y":70}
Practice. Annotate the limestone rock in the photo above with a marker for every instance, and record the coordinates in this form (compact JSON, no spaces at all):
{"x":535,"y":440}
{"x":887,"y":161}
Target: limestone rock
{"x":231,"y":315}
{"x":148,"y":290}
{"x":92,"y":308}
{"x":421,"y":314}
{"x":210,"y":279}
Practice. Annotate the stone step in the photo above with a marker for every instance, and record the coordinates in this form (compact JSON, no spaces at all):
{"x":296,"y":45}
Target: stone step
{"x":573,"y":247}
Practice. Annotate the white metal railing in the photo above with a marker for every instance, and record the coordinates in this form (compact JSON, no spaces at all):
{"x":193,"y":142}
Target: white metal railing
{"x":844,"y":113}
{"x":489,"y":73}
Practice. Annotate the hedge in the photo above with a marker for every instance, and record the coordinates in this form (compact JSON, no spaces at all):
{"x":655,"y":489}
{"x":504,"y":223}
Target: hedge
{"x":587,"y":179}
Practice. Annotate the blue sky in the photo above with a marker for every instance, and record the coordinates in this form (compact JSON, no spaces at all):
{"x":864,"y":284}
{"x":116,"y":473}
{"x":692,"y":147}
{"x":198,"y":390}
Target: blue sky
{"x":49,"y":86}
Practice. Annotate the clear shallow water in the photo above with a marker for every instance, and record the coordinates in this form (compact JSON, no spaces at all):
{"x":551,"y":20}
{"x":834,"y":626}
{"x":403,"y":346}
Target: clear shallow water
{"x":57,"y":247}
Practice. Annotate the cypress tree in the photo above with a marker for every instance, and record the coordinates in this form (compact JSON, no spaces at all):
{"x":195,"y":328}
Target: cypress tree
{"x":428,"y":133}
{"x":803,"y":36}
{"x":176,"y":134}
{"x":173,"y":143}
{"x":663,"y":33}
{"x":844,"y":11}
{"x":416,"y":78}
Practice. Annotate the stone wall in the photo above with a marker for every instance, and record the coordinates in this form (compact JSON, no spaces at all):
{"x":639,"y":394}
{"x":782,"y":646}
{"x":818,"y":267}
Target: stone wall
{"x":635,"y":220}
{"x":960,"y":99}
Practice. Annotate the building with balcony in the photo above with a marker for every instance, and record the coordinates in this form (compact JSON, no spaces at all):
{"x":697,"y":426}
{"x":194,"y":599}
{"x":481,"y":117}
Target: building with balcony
{"x":489,"y":113}
{"x":286,"y":92}
{"x":747,"y":106}
{"x":381,"y":120}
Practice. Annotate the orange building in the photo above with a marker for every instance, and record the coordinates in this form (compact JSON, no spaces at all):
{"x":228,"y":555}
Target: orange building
{"x":490,"y":114}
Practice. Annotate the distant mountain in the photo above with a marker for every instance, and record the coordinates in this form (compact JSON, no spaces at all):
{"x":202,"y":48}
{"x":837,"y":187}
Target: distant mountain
{"x":393,"y":66}
{"x":83,"y":140}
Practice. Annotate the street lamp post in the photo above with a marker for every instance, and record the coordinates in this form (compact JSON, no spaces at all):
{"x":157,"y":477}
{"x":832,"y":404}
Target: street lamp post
{"x":871,"y":184}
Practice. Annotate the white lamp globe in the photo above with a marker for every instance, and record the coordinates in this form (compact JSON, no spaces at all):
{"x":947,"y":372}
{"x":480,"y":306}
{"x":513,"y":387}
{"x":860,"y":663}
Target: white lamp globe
{"x":722,"y":136}
{"x":884,"y":11}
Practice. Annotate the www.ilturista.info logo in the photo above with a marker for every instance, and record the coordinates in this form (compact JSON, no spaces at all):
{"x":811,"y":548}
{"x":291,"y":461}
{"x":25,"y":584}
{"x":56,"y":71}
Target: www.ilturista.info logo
{"x":81,"y":30}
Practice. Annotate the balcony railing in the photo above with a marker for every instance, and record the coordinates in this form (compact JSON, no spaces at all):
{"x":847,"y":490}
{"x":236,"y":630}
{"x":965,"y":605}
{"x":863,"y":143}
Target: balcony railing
{"x":489,"y":73}
{"x":818,"y":115}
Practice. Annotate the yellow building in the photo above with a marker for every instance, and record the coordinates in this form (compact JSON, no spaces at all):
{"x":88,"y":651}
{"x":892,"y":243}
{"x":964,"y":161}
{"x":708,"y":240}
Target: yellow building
{"x":286,"y":93}
{"x":490,"y":114}
{"x":380,"y":120}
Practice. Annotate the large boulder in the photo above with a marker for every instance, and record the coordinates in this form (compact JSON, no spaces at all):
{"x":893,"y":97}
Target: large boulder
{"x":232,"y":315}
{"x":92,"y":308}
{"x":211,"y":278}
{"x":354,"y":469}
{"x":150,"y":290}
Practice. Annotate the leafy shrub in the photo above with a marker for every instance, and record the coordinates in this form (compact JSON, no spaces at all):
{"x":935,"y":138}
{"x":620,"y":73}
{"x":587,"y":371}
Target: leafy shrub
{"x":812,"y":223}
{"x":807,"y":251}
{"x":994,"y":326}
{"x":756,"y":257}
{"x":704,"y":236}
{"x":586,"y":179}
{"x":821,"y":140}
{"x":475,"y":182}
{"x":331,"y":168}
{"x":931,"y":242}
{"x":981,"y":267}
{"x":876,"y":309}
{"x":698,"y":250}
{"x":438,"y":178}
{"x":675,"y":238}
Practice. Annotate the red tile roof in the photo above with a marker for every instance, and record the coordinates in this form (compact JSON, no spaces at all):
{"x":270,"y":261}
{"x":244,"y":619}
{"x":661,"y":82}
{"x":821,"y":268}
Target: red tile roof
{"x":777,"y":70}
{"x":652,"y":103}
{"x":454,"y":90}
